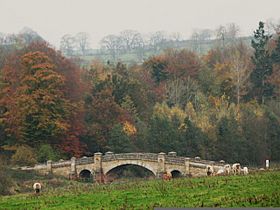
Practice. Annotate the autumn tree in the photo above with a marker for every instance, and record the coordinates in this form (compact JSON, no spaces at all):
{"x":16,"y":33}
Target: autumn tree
{"x":274,"y":79}
{"x":240,"y":70}
{"x":39,"y":101}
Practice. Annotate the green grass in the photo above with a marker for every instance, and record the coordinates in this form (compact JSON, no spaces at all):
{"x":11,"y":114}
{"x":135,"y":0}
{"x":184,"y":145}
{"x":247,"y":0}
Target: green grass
{"x":258,"y":190}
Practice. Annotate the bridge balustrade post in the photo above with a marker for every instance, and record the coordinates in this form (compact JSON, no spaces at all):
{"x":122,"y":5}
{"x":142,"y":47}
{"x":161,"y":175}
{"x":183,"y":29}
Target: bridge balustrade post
{"x":161,"y":165}
{"x":187,"y":166}
{"x":73,"y":170}
{"x":99,"y":177}
{"x":49,"y":166}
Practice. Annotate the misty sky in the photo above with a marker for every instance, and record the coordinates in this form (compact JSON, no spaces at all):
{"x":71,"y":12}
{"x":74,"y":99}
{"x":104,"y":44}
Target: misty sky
{"x":54,"y":18}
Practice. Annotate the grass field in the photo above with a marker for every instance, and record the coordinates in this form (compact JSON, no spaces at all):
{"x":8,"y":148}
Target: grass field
{"x":257,"y":190}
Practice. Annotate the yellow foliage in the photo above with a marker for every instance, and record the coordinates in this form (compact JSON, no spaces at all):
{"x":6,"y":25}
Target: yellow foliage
{"x":162,"y":110}
{"x":129,"y":129}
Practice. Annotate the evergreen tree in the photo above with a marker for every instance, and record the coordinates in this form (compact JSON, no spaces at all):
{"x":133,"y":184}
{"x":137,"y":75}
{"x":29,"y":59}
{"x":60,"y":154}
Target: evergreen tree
{"x":261,"y":88}
{"x":195,"y":141}
{"x":119,"y":142}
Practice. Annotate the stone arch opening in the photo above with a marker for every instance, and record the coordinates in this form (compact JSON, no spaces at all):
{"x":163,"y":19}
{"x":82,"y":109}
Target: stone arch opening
{"x":86,"y":175}
{"x":129,"y":171}
{"x":176,"y":174}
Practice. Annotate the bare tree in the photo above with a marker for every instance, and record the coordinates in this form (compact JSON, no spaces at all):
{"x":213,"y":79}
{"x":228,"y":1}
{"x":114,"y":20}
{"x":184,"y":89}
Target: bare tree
{"x":157,"y":41}
{"x":67,"y":44}
{"x":227,"y":34}
{"x":82,"y":41}
{"x":129,"y":39}
{"x":112,"y":44}
{"x":195,"y":43}
{"x":240,"y":67}
{"x":139,"y":46}
{"x":273,"y":26}
{"x":221,"y":35}
{"x":232,"y":32}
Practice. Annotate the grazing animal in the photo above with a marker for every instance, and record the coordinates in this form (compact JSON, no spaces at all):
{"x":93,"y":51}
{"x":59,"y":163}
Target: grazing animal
{"x":236,"y":168}
{"x":220,"y":172}
{"x":167,"y":176}
{"x":37,"y":187}
{"x":227,"y":169}
{"x":209,"y":170}
{"x":245,"y":171}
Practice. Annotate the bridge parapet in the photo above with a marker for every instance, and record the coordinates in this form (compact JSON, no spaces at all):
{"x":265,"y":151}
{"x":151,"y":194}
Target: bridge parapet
{"x":175,"y":160}
{"x":85,"y":160}
{"x":130,"y":156}
{"x":61,"y":164}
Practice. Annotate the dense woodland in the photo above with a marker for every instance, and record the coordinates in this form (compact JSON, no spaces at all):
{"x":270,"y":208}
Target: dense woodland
{"x":223,"y":104}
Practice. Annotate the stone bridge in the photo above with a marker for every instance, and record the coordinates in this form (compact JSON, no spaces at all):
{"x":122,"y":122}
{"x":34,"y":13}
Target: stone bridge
{"x":100,"y":165}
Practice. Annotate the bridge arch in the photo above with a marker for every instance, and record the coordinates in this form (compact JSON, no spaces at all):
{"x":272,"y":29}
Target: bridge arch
{"x":85,"y":174}
{"x":176,"y":173}
{"x":142,"y":164}
{"x":82,"y":172}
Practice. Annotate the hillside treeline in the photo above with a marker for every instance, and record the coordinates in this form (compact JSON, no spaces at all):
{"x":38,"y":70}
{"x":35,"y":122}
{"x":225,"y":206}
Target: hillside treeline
{"x":221,"y":105}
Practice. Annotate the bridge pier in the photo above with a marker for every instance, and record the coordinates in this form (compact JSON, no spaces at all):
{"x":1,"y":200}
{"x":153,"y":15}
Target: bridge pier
{"x":161,"y":165}
{"x":98,"y":176}
{"x":73,"y":170}
{"x":187,"y":167}
{"x":49,"y":166}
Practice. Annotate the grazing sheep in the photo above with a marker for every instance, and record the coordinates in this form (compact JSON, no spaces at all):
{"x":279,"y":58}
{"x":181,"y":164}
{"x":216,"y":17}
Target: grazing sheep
{"x":209,"y":170}
{"x":220,"y":172}
{"x":227,"y":169}
{"x":236,"y":168}
{"x":245,"y":171}
{"x":37,"y":187}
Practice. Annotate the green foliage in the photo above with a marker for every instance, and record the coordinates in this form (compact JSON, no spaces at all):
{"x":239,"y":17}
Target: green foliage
{"x":118,"y":140}
{"x":164,"y":134}
{"x":261,"y":88}
{"x":230,"y":146}
{"x":5,"y":180}
{"x":195,"y":141}
{"x":24,"y":155}
{"x":45,"y":153}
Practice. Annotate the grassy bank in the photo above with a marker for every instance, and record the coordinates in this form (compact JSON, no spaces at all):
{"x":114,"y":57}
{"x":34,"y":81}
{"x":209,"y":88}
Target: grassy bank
{"x":258,"y":190}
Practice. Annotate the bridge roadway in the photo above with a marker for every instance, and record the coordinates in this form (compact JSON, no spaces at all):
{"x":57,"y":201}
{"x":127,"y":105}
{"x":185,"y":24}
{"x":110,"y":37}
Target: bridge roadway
{"x":99,"y":165}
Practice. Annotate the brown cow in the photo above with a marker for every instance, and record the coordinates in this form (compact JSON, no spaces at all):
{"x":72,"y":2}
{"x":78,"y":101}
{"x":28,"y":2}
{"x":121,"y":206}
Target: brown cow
{"x":167,"y":176}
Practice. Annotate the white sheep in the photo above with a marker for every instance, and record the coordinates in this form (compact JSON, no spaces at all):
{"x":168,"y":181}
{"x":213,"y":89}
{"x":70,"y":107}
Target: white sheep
{"x":37,"y":187}
{"x":227,"y":169}
{"x":209,"y":170}
{"x":236,"y":168}
{"x":221,"y":171}
{"x":245,"y":170}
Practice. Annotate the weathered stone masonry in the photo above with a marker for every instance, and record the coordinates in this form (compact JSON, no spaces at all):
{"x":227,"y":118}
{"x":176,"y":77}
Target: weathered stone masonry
{"x":100,"y":165}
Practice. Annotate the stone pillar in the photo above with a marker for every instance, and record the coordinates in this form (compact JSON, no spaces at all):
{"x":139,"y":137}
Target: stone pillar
{"x":49,"y":166}
{"x":187,"y":167}
{"x":73,"y":170}
{"x":99,"y":177}
{"x":161,"y":165}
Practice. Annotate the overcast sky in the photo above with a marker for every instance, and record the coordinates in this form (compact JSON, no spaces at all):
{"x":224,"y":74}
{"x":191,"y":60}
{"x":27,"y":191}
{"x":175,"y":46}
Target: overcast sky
{"x":54,"y":18}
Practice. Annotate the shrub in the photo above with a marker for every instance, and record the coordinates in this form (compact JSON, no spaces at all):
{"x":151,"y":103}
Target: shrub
{"x":46,"y":152}
{"x":5,"y":181}
{"x":24,"y":156}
